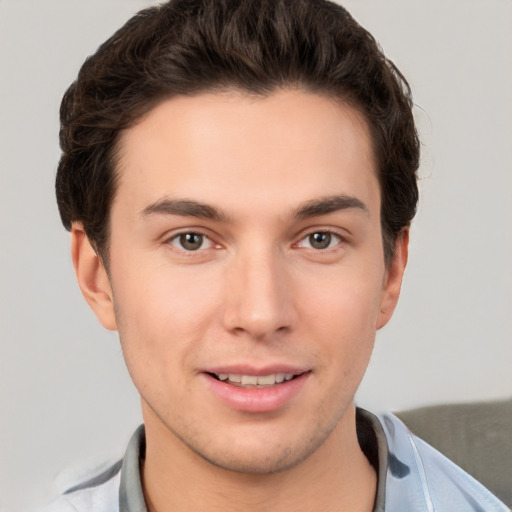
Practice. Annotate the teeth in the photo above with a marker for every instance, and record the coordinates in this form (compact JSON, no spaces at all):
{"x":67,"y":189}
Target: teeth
{"x":249,"y":379}
{"x":267,"y":380}
{"x":253,"y":380}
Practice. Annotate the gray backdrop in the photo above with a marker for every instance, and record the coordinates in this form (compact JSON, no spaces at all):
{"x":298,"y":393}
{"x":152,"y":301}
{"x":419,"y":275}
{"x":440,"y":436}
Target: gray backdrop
{"x":65,"y":395}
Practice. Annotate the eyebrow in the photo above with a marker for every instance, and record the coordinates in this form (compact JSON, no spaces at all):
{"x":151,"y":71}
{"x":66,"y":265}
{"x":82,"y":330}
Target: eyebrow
{"x":327,"y":205}
{"x":190,"y":208}
{"x":185,"y":208}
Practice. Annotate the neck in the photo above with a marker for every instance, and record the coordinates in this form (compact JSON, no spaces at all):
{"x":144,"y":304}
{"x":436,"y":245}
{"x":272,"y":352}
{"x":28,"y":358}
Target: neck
{"x":337,"y":476}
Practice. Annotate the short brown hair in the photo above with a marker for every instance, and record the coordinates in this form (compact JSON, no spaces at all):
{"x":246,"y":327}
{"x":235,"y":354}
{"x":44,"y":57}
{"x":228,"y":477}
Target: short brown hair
{"x":185,"y":47}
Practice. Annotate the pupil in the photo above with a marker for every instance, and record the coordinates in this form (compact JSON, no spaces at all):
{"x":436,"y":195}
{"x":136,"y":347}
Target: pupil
{"x":191,"y":241}
{"x":320,"y":240}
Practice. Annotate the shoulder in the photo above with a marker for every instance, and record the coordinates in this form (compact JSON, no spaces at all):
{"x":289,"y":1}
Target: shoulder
{"x":97,"y":490}
{"x":421,"y":478}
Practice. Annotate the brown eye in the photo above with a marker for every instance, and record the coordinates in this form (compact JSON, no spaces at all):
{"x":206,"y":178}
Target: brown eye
{"x":320,"y":240}
{"x":191,"y":241}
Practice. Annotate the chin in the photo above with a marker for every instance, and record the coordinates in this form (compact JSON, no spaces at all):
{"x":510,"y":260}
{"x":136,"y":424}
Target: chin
{"x":268,"y":461}
{"x":266,"y":453}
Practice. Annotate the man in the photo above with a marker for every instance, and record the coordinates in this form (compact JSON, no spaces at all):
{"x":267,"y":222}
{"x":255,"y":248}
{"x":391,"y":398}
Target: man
{"x":239,"y":179}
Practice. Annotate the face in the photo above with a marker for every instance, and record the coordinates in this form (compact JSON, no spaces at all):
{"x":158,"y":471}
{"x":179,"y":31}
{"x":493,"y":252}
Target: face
{"x":247,"y":276}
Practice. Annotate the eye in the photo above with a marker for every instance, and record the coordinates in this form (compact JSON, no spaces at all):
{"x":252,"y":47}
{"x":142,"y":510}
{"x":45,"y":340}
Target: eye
{"x":191,"y":241}
{"x":320,"y":240}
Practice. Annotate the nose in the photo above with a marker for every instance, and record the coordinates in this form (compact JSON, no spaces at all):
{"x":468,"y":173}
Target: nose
{"x":258,"y":295}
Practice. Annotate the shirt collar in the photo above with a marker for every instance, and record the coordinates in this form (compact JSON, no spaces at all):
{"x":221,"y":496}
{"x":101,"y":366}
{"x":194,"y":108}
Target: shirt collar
{"x":131,"y":496}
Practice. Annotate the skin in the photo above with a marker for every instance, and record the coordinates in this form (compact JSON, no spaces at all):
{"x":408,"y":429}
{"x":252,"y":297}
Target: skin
{"x":256,"y":292}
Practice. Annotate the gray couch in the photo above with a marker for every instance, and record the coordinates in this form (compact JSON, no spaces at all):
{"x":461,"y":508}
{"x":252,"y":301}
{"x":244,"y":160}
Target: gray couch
{"x":476,"y":436}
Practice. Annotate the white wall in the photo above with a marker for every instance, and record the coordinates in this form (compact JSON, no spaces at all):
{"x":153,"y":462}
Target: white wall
{"x":64,"y":392}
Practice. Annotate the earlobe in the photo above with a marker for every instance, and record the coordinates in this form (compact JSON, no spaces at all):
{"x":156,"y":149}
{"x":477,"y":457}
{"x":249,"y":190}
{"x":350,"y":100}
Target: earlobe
{"x":92,"y":277}
{"x":393,"y":278}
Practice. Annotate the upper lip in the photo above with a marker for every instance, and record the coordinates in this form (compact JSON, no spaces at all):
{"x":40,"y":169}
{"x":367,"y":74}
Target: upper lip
{"x":258,"y":371}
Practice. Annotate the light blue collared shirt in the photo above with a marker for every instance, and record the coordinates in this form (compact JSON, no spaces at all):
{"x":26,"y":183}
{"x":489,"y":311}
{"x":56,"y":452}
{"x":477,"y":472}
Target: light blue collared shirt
{"x":412,"y":476}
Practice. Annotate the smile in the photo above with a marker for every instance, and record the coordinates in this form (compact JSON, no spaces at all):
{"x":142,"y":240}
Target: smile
{"x":257,"y":381}
{"x":251,"y":393}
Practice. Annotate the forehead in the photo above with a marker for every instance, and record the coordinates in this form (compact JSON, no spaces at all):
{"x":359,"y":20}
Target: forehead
{"x":240,"y":150}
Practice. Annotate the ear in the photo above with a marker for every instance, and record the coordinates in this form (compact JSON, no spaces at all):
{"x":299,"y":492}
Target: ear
{"x":92,"y":277}
{"x":393,"y":278}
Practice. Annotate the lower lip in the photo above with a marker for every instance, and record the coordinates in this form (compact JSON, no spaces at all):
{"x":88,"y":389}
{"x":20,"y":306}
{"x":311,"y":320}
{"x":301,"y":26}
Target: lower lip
{"x":257,"y":399}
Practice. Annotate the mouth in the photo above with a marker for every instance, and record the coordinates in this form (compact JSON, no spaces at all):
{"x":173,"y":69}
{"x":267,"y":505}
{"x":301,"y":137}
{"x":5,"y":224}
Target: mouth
{"x":254,"y":381}
{"x":256,"y":391}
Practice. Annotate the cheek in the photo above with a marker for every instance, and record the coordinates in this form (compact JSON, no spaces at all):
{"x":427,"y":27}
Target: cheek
{"x":345,"y":300}
{"x":343,"y":314}
{"x":162,"y":317}
{"x":158,"y":295}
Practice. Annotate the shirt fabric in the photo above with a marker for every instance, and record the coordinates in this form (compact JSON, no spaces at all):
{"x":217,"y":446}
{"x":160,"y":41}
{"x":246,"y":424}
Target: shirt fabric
{"x":412,"y":476}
